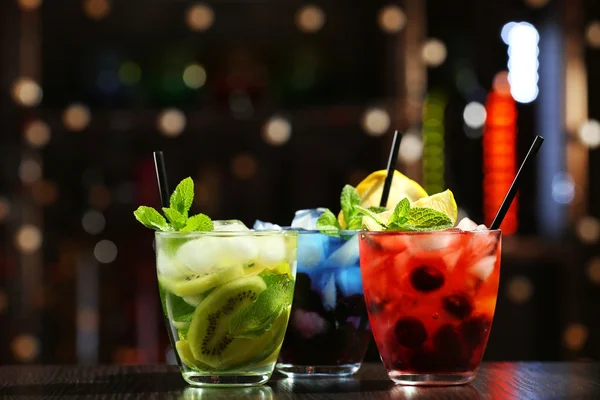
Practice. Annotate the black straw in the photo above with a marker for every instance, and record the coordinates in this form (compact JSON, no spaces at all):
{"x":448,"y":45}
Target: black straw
{"x":514,"y":188}
{"x":161,"y":177}
{"x":391,"y":167}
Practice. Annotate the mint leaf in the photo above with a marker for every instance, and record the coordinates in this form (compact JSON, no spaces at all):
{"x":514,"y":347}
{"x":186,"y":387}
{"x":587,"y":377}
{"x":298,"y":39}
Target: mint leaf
{"x":348,"y":200}
{"x":377,"y":210}
{"x":355,"y":222}
{"x":426,"y":219}
{"x":369,"y":213}
{"x":151,"y":218}
{"x":176,"y":219}
{"x":328,"y":223}
{"x":256,"y":319}
{"x":198,"y":223}
{"x":183,"y":196}
{"x":401,"y":212}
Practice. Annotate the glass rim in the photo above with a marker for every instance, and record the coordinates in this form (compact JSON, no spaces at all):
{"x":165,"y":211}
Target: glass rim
{"x":344,"y":232}
{"x":176,"y":234}
{"x":442,"y":232}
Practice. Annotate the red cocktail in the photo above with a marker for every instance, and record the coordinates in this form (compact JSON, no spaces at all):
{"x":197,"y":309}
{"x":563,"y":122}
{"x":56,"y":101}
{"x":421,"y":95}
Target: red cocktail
{"x":431,"y":298}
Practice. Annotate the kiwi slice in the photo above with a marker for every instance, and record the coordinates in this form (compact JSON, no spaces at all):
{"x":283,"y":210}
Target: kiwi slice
{"x":186,"y":356}
{"x":208,"y":335}
{"x":195,"y":284}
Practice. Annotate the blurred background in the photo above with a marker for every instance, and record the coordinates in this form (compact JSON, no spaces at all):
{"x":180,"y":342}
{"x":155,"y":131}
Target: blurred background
{"x":272,"y":106}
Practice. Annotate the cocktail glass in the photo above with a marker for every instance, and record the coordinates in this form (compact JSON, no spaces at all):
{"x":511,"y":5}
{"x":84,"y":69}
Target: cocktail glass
{"x":329,"y":330}
{"x":206,"y":281}
{"x":431,"y":298}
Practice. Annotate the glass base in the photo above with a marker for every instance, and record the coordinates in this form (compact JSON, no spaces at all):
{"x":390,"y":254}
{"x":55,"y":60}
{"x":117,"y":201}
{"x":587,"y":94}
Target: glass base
{"x":317,"y":370}
{"x":412,"y":379}
{"x":199,"y":379}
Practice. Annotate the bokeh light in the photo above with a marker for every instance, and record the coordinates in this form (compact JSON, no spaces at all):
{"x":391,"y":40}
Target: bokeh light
{"x":44,"y":192}
{"x":277,"y":131}
{"x":96,"y":9}
{"x":30,"y":171}
{"x":130,"y":73}
{"x":592,"y":34}
{"x":589,"y":133}
{"x":376,"y":121}
{"x":501,"y":85}
{"x":519,"y":290}
{"x":93,"y":222}
{"x":575,"y":336}
{"x":391,"y":19}
{"x":30,"y":5}
{"x":100,"y":197}
{"x":25,"y":348}
{"x":105,"y":251}
{"x":194,"y":76}
{"x":474,"y":115}
{"x":244,"y":166}
{"x":310,"y":19}
{"x":434,"y":52}
{"x":588,"y":229}
{"x":200,"y":17}
{"x":28,"y":238}
{"x":593,"y":270}
{"x":563,"y":188}
{"x":4,"y":208}
{"x":171,"y":122}
{"x":76,"y":117}
{"x":411,"y":148}
{"x":240,"y":104}
{"x":26,"y":92}
{"x":523,"y":62}
{"x":37,"y":133}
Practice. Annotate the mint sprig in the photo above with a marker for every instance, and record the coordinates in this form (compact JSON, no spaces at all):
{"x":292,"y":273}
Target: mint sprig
{"x":349,"y":202}
{"x":256,"y":319}
{"x":177,"y":213}
{"x":404,"y":218}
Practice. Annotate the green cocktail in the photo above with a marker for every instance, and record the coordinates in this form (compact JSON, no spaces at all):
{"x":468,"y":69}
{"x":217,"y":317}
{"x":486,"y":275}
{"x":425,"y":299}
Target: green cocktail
{"x":226,"y":294}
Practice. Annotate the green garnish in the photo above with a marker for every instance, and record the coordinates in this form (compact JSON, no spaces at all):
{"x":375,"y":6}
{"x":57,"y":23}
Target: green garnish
{"x":256,"y":319}
{"x":349,"y":202}
{"x":407,"y":219}
{"x":177,"y":213}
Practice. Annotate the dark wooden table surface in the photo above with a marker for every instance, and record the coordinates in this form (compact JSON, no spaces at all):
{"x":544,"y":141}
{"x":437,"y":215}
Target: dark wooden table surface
{"x":495,"y":381}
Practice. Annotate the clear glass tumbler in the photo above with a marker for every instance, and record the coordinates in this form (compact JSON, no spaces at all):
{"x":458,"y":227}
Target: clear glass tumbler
{"x":226,"y":298}
{"x":329,"y":330}
{"x":431,"y":298}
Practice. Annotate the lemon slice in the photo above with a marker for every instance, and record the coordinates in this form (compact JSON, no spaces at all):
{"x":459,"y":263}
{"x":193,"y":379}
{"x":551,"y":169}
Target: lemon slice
{"x":371,"y":188}
{"x":443,"y":202}
{"x":371,"y":225}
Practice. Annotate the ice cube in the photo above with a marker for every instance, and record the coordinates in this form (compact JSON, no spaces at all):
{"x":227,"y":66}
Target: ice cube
{"x":481,"y":227}
{"x":466,"y":224}
{"x":271,"y":249}
{"x":231,"y":225}
{"x":329,"y":293}
{"x":201,"y":254}
{"x":349,"y":281}
{"x":484,"y":267}
{"x":265,"y":226}
{"x":312,"y":248}
{"x":307,"y":219}
{"x":432,"y":242}
{"x":308,"y":323}
{"x":239,"y":249}
{"x":171,"y":267}
{"x":347,"y":255}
